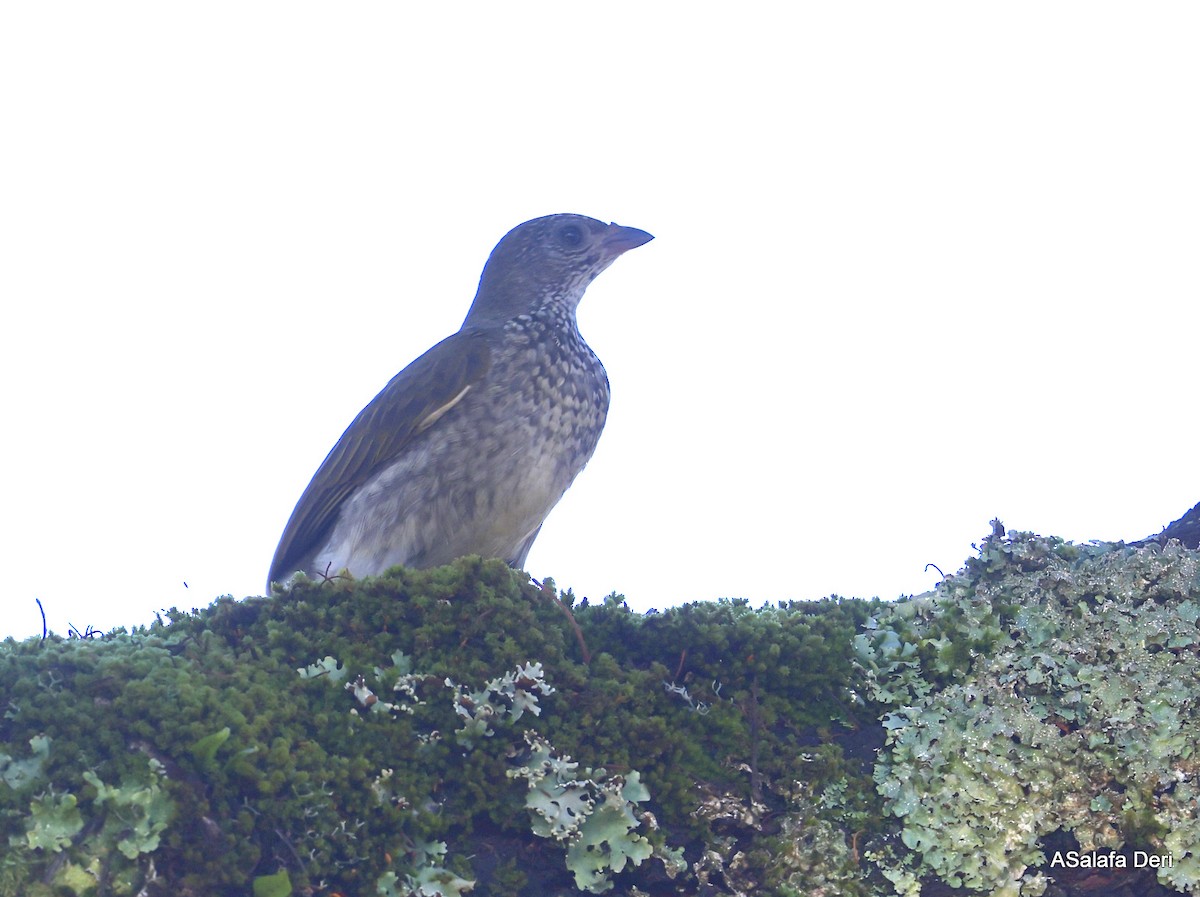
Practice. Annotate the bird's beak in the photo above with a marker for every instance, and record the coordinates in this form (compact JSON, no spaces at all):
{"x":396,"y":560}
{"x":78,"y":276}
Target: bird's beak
{"x":618,"y":239}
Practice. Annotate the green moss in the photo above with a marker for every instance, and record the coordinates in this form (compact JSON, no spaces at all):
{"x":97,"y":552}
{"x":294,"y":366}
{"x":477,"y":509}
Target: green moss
{"x":315,"y":733}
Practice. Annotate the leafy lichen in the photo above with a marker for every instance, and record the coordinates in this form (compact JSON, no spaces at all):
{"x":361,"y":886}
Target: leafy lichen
{"x":1048,"y":687}
{"x":590,"y":811}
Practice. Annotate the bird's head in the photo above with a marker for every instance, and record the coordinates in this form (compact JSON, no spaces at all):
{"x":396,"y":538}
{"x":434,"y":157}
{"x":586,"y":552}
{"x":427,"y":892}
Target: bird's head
{"x":550,"y":259}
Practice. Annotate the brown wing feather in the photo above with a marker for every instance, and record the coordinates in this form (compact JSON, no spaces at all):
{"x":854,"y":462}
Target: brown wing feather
{"x":412,"y":401}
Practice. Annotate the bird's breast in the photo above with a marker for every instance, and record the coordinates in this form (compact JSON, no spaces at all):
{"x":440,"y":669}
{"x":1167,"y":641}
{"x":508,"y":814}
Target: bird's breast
{"x":551,"y":387}
{"x":484,"y":476}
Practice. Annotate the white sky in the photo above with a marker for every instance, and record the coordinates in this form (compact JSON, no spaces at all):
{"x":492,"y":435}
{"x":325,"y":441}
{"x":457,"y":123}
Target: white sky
{"x":917,"y":265}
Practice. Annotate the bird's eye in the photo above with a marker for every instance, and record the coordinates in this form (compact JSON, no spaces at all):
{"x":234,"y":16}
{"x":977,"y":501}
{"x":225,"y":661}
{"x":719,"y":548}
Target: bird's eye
{"x":571,"y":235}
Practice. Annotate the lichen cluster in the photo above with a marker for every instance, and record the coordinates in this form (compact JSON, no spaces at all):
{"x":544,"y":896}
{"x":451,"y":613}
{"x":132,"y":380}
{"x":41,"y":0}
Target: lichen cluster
{"x":1047,"y":687}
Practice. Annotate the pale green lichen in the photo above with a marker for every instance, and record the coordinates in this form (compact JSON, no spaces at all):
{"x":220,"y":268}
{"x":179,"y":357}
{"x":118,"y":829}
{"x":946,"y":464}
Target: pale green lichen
{"x":399,"y":678}
{"x":54,"y":821}
{"x":510,"y":695}
{"x":430,"y":879}
{"x":107,"y":838}
{"x":327,"y":666}
{"x":592,"y":812}
{"x":19,"y":774}
{"x":1051,"y":687}
{"x":135,"y":813}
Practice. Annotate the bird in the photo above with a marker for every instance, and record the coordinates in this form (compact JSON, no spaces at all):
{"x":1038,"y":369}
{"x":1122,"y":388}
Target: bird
{"x":468,"y":448}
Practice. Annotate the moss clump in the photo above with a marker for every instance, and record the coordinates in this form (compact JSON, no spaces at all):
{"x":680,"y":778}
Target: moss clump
{"x":360,"y":735}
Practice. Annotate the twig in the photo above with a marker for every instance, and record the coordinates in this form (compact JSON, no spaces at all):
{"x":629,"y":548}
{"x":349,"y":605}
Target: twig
{"x":679,"y":669}
{"x":282,"y":837}
{"x":755,"y":721}
{"x":587,"y":655}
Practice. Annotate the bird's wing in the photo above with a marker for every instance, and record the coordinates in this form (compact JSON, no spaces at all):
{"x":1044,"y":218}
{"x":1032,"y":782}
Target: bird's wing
{"x":412,"y":402}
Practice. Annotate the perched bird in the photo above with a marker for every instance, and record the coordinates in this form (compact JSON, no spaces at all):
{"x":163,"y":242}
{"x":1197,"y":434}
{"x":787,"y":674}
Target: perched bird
{"x":468,"y":448}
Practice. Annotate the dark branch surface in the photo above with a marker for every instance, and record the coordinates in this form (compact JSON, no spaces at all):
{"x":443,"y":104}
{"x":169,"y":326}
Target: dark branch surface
{"x":1186,"y":529}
